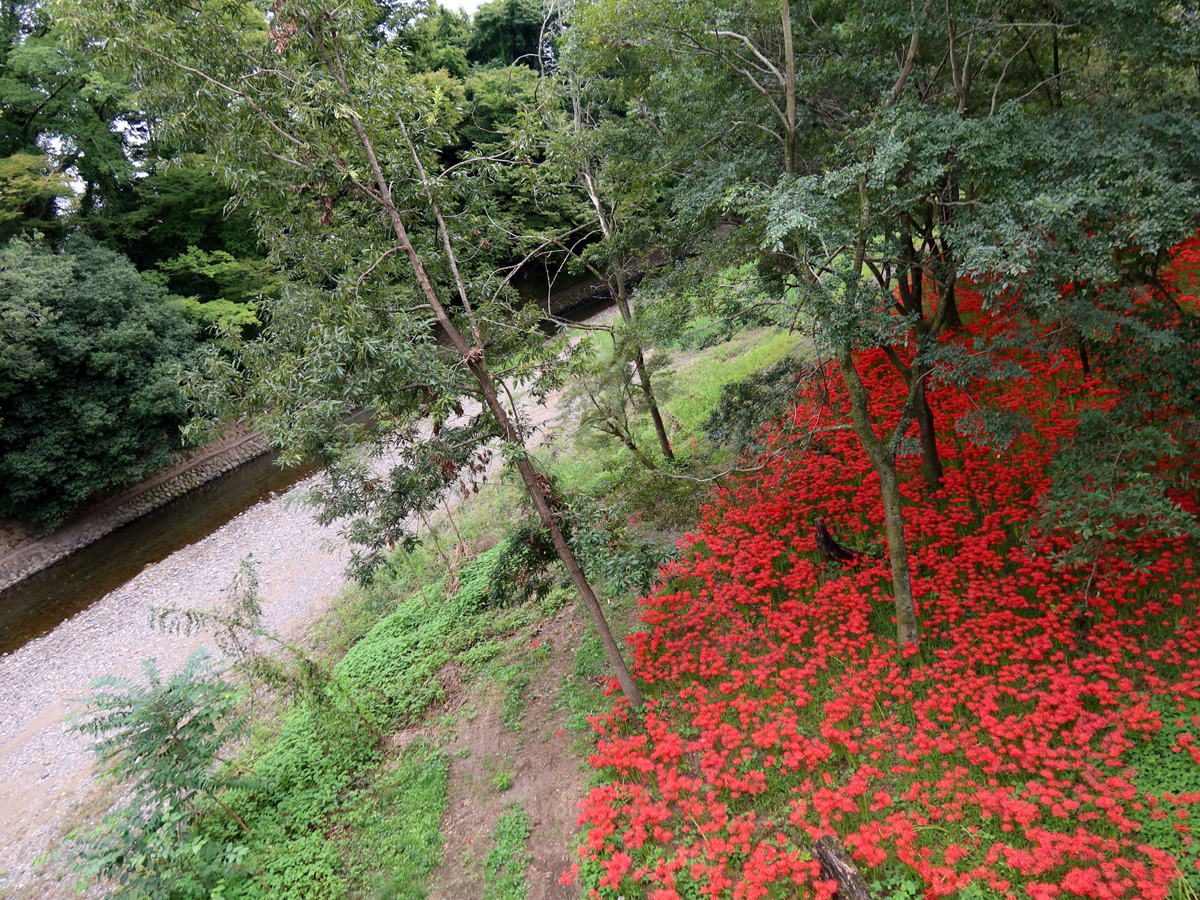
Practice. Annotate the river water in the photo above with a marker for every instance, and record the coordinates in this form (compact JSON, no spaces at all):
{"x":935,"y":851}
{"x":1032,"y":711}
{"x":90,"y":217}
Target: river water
{"x":39,"y":603}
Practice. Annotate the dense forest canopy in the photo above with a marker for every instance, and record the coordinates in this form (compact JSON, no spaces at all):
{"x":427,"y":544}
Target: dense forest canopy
{"x":84,"y":154}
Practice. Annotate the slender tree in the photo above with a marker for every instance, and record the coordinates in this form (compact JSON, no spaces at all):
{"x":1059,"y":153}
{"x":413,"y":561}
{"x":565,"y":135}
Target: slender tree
{"x":309,"y":110}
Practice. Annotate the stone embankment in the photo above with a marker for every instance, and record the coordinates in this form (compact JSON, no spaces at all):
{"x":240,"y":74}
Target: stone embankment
{"x":23,"y":552}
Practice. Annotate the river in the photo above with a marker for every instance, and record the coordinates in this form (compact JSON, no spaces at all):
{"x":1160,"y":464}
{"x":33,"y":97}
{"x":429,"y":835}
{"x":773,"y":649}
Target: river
{"x":39,"y":603}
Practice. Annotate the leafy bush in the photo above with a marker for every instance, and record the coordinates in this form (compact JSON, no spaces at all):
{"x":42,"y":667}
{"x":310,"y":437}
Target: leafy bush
{"x":521,"y":569}
{"x":89,"y":395}
{"x":163,"y":740}
{"x":745,"y":406}
{"x":609,"y":549}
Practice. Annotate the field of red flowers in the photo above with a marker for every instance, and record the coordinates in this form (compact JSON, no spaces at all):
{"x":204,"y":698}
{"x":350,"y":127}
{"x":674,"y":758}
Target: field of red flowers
{"x":1041,"y":744}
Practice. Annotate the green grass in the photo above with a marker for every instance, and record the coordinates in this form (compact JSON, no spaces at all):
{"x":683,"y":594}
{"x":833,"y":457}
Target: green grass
{"x":687,"y":388}
{"x":695,"y":379}
{"x":392,"y":840}
{"x":509,"y":859}
{"x":1164,"y":767}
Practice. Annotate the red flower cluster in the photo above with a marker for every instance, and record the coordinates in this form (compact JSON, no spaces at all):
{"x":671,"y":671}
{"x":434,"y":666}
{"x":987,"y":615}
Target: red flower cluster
{"x":784,"y":710}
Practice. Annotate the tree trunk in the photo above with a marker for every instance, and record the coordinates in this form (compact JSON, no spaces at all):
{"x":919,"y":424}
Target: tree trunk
{"x":611,"y":650}
{"x":474,"y":357}
{"x":931,"y":460}
{"x":643,"y":374}
{"x":952,"y":319}
{"x":537,"y":493}
{"x":883,"y":459}
{"x":836,"y":865}
{"x":664,"y":442}
{"x":625,"y":438}
{"x":908,"y":630}
{"x":789,"y":89}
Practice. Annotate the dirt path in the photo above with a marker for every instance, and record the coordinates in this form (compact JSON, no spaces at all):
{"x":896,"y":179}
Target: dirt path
{"x":548,"y":778}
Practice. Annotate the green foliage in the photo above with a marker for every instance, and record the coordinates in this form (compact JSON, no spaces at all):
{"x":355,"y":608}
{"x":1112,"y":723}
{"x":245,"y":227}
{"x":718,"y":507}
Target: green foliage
{"x":509,"y":859}
{"x":89,"y":392}
{"x":899,"y":884}
{"x":521,"y":569}
{"x":609,"y":548}
{"x":745,"y":406}
{"x":164,"y":741}
{"x":28,"y":187}
{"x":1109,"y":487}
{"x":394,"y":669}
{"x":507,"y":31}
{"x":1166,"y":770}
{"x":603,"y":393}
{"x":394,"y":842}
{"x":437,"y":38}
{"x":237,"y":283}
{"x":55,"y":97}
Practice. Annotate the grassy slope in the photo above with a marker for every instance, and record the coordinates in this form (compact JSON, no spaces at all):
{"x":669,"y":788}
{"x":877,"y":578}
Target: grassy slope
{"x":336,"y":807}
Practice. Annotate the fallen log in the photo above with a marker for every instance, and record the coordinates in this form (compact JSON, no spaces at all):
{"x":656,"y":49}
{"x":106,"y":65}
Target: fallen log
{"x":836,"y":865}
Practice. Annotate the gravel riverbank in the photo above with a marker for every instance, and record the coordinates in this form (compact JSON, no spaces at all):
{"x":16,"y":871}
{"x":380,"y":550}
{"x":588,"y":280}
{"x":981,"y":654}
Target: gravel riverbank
{"x":43,"y":769}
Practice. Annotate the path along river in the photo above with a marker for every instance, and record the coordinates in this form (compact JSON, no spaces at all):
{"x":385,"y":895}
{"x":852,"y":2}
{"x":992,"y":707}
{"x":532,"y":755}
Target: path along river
{"x":45,"y":769}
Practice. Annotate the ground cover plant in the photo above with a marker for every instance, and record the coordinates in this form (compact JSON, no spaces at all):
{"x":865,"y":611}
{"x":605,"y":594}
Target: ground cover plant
{"x":317,"y":803}
{"x":1039,"y":744}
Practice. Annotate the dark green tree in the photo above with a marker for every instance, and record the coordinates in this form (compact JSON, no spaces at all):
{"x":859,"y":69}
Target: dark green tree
{"x":869,"y":155}
{"x":89,"y":376}
{"x":436,"y":38}
{"x":504,"y":32}
{"x":57,"y":103}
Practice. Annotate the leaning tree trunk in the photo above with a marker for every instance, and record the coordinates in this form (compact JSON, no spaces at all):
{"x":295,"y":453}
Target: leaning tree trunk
{"x":643,"y":374}
{"x":908,"y":630}
{"x":914,"y":379}
{"x":474,"y":358}
{"x":883,"y":459}
{"x":931,"y":460}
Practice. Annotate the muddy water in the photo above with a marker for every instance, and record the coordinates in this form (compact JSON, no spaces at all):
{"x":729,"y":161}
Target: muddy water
{"x":39,"y":603}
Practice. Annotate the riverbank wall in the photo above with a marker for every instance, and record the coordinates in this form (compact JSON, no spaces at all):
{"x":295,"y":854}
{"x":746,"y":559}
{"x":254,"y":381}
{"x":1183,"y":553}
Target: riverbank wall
{"x":23,"y":552}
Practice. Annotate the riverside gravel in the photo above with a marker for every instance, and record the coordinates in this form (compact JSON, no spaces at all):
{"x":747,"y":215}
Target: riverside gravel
{"x":44,"y":770}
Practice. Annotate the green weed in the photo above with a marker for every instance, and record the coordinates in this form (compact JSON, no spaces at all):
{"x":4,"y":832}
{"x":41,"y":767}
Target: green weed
{"x":392,"y":842}
{"x":1165,"y":770}
{"x":509,"y":859}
